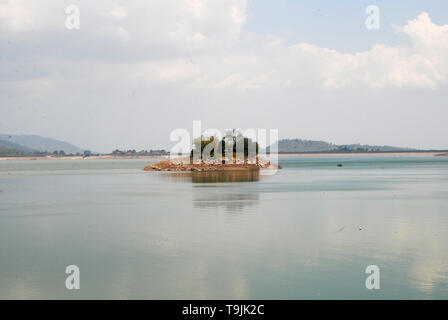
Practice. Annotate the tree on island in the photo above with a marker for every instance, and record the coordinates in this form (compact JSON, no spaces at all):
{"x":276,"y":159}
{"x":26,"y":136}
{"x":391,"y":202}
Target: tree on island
{"x":233,"y":143}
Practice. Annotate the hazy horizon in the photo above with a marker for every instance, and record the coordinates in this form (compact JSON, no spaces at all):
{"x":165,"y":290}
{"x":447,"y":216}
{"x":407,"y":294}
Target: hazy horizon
{"x":147,"y":148}
{"x":135,"y":71}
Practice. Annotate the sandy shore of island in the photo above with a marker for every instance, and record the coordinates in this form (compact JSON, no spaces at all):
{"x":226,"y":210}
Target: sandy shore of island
{"x":184,"y":165}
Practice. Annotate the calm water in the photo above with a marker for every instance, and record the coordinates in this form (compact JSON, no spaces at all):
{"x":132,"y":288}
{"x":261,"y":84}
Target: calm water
{"x":137,"y":234}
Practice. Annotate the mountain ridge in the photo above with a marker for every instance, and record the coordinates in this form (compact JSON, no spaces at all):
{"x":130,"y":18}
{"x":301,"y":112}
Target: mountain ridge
{"x":33,"y":143}
{"x":299,"y":145}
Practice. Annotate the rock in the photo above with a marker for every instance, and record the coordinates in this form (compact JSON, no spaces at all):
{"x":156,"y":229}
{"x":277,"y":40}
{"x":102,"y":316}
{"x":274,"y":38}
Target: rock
{"x":168,"y":165}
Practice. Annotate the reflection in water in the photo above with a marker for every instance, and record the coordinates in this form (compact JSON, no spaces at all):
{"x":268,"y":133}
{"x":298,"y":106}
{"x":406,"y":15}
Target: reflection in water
{"x":231,"y":202}
{"x":173,"y":235}
{"x":216,"y":196}
{"x":218,"y":176}
{"x":225,"y":176}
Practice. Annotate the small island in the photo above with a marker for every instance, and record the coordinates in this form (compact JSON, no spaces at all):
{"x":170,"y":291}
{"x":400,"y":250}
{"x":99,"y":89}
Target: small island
{"x":233,"y":152}
{"x":171,"y":165}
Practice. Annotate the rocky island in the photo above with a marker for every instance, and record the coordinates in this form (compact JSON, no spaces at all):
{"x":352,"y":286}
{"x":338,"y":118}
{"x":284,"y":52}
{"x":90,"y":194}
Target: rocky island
{"x":173,"y":165}
{"x":243,"y":156}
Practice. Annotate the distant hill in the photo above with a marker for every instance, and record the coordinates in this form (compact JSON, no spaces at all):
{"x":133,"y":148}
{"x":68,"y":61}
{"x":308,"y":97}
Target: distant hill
{"x":31,"y":143}
{"x":298,"y":145}
{"x":369,"y":148}
{"x":14,"y":146}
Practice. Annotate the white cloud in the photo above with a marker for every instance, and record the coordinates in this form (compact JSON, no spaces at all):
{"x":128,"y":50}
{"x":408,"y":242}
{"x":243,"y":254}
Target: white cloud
{"x":422,"y":65}
{"x":205,"y":33}
{"x":16,"y":16}
{"x":426,"y":35}
{"x":169,"y":25}
{"x":118,"y":13}
{"x":167,"y":59}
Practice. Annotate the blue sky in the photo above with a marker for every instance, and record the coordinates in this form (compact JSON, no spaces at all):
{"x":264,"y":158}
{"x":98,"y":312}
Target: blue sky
{"x":338,"y":24}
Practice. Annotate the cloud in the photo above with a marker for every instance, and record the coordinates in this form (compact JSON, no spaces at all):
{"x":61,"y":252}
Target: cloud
{"x":421,"y":65}
{"x":207,"y":35}
{"x":16,"y":16}
{"x":135,"y":64}
{"x":118,"y":13}
{"x":160,"y":29}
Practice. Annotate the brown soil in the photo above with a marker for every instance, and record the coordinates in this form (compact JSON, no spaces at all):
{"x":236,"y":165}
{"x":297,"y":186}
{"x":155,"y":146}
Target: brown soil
{"x":168,"y":165}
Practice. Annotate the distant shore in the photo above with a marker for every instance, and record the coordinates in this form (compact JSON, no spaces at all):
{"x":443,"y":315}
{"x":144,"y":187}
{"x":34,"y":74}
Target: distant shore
{"x":316,"y":154}
{"x":367,"y":154}
{"x":106,"y":156}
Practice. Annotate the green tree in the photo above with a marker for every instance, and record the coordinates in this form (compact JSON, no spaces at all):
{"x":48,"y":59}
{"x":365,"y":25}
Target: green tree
{"x":231,"y":140}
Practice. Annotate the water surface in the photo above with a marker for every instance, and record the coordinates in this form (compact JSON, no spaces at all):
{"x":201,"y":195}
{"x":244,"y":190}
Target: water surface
{"x":309,"y":231}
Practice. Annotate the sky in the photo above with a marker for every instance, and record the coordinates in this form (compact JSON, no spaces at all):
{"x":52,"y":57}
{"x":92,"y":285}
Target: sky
{"x":136,"y":70}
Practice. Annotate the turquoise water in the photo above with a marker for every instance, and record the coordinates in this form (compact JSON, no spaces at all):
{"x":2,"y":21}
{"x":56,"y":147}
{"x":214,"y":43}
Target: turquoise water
{"x":308,"y":232}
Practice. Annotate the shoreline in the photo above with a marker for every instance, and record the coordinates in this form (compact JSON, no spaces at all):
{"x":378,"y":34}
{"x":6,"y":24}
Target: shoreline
{"x":81,"y":157}
{"x":366,"y":154}
{"x":281,"y":155}
{"x":170,"y":165}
